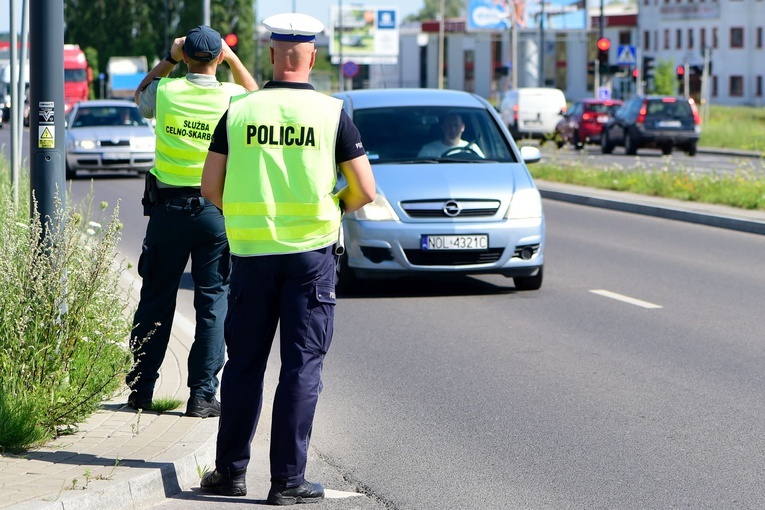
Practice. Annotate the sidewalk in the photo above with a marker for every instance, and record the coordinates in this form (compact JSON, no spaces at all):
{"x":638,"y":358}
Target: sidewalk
{"x":122,"y":460}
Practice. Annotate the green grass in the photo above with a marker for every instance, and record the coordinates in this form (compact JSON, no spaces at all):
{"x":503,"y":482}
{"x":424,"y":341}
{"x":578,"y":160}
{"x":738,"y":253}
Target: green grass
{"x":734,"y":127}
{"x":164,"y":404}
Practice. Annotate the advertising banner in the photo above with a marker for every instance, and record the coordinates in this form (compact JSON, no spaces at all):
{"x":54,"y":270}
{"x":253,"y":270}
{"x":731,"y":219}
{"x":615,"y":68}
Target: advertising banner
{"x":499,"y":14}
{"x":363,"y":35}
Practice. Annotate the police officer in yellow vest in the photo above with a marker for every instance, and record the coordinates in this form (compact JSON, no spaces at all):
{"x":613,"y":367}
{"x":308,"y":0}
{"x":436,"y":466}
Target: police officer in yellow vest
{"x":182,"y":224}
{"x":272,"y":169}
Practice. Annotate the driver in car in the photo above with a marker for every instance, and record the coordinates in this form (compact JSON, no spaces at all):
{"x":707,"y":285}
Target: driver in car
{"x":452,"y":127}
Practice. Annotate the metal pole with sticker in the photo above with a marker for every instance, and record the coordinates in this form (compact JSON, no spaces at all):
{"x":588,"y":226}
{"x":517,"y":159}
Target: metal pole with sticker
{"x":46,"y":108}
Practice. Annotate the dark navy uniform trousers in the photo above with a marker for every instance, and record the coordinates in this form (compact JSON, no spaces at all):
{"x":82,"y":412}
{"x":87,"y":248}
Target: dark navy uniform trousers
{"x":179,"y":229}
{"x":297,"y":293}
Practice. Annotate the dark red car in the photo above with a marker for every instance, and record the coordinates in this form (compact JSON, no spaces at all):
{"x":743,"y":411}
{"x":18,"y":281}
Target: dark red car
{"x":584,"y":121}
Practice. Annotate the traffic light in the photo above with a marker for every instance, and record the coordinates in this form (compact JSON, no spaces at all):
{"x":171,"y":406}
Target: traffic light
{"x":604,"y":44}
{"x":681,"y":78}
{"x":648,"y":68}
{"x":232,"y":40}
{"x":636,"y":74}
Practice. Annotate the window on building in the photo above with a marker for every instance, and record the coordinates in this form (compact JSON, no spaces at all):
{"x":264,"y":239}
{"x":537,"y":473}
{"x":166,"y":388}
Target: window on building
{"x":703,"y":37}
{"x":679,"y":39}
{"x":647,"y":40}
{"x":736,"y":86}
{"x":690,"y":38}
{"x":714,"y":38}
{"x":714,"y":86}
{"x":759,"y":37}
{"x":758,"y":90}
{"x":655,"y":40}
{"x":625,"y":38}
{"x":736,"y":37}
{"x":666,"y":38}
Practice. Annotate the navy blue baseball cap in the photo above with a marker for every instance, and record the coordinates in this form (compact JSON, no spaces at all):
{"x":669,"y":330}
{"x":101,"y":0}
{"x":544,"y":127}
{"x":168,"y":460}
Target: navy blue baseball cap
{"x":203,"y":44}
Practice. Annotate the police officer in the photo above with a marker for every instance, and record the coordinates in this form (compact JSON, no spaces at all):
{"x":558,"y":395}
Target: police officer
{"x":182,"y":224}
{"x":271,"y":167}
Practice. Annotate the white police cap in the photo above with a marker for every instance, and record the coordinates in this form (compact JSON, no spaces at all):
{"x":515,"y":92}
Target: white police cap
{"x":293,"y":26}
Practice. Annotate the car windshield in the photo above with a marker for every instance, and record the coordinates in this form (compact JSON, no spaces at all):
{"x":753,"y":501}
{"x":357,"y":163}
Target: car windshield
{"x":108,"y":116}
{"x":603,"y":108}
{"x":677,"y":109}
{"x":431,"y":134}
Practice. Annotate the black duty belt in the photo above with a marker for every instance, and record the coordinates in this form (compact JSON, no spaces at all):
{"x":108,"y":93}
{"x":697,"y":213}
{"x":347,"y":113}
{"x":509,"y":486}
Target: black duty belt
{"x":182,"y":192}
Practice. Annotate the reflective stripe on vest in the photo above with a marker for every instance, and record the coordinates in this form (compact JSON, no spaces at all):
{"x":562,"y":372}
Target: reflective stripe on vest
{"x":280,"y":173}
{"x":186,"y":118}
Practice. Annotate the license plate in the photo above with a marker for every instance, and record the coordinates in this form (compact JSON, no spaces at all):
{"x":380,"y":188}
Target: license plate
{"x":112,"y":156}
{"x":602,"y":119}
{"x":669,"y":123}
{"x":455,"y":242}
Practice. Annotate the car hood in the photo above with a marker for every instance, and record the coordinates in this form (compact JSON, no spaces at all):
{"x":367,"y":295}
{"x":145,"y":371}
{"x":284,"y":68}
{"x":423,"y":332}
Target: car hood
{"x":436,"y":181}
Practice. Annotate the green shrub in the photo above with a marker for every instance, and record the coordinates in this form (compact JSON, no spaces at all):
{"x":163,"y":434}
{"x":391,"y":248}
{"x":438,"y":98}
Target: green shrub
{"x":63,"y":318}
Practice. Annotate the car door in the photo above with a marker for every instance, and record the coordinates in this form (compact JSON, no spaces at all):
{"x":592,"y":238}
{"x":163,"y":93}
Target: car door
{"x":618,"y":125}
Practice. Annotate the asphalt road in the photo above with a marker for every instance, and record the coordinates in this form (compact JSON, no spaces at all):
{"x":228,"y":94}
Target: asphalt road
{"x":632,"y":379}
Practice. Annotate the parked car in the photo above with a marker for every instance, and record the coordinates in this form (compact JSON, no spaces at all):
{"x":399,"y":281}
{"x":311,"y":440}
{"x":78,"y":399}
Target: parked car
{"x":584,"y":121}
{"x":662,"y":122}
{"x":108,"y":135}
{"x":472,"y":209}
{"x":532,"y":112}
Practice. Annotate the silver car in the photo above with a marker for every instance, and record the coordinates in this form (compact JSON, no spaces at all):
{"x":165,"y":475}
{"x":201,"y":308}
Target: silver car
{"x":106,"y":135}
{"x":471,"y":209}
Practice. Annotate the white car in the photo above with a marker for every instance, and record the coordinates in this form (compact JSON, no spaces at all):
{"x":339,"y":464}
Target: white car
{"x":473,"y":209}
{"x":532,"y":112}
{"x":107,"y":135}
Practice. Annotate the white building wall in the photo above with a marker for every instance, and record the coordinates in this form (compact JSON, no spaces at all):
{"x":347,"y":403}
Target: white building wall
{"x":656,"y":16}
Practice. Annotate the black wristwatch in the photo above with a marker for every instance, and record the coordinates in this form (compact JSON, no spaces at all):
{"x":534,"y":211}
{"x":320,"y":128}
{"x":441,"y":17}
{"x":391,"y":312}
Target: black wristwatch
{"x":169,"y":58}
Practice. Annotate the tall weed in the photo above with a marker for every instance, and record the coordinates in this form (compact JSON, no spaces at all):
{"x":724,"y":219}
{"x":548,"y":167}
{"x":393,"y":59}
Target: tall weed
{"x":63,"y":320}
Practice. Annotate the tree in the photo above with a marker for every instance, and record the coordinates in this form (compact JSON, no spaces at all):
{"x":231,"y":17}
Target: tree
{"x":148,"y":27}
{"x":664,"y":78}
{"x":432,"y":10}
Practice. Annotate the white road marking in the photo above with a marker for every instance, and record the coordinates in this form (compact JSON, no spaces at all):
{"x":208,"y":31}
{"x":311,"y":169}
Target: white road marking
{"x":626,"y":299}
{"x":331,"y":494}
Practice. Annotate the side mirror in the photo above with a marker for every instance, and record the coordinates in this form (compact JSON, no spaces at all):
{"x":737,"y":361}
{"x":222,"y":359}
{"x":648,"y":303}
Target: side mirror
{"x":530,"y":154}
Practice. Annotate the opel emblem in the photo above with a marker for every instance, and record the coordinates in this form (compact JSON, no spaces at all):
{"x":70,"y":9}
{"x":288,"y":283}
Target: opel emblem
{"x":452,"y":208}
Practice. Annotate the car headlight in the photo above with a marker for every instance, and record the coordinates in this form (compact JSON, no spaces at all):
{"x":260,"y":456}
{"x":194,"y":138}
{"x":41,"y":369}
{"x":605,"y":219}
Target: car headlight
{"x":85,"y":144}
{"x":378,"y":210}
{"x":526,"y":203}
{"x":142,"y":144}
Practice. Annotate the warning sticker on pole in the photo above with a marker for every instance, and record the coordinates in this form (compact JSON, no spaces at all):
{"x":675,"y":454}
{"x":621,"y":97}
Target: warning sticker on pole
{"x":47,"y":137}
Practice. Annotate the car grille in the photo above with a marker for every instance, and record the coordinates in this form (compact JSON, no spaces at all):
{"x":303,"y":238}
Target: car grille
{"x":115,"y":143}
{"x":453,"y":258}
{"x":450,"y":208}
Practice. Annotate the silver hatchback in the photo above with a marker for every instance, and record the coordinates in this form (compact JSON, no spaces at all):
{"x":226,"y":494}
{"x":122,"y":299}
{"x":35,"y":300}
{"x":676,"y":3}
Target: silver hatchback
{"x":454,"y":195}
{"x":107,"y":135}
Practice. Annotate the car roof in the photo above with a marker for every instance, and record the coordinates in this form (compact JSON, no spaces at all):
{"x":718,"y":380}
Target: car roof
{"x":106,"y":102}
{"x":379,"y":98}
{"x":592,"y":100}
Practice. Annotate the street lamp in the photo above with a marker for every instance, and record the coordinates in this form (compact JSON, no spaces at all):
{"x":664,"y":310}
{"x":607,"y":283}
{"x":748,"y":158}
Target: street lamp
{"x":441,"y":47}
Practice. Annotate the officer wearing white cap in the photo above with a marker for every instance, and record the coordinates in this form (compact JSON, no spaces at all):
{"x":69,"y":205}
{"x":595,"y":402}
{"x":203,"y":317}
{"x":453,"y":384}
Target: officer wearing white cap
{"x":271,"y":168}
{"x":182,"y":224}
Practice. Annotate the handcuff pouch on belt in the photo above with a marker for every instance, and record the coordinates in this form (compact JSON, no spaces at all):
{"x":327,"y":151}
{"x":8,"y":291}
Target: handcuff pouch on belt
{"x":150,"y":194}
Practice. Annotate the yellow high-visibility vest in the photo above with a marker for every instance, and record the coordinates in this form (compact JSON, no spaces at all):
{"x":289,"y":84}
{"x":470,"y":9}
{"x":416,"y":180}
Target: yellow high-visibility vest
{"x":186,"y":116}
{"x":280,"y":173}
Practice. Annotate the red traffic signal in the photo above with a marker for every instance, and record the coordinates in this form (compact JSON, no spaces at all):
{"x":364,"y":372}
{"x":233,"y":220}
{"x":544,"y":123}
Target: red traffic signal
{"x":231,"y":40}
{"x":680,"y":70}
{"x":635,"y":73}
{"x":604,"y":44}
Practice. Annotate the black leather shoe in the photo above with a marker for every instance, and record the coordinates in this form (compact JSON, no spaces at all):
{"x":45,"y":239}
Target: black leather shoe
{"x":306,"y":492}
{"x":136,"y":402}
{"x":214,"y":482}
{"x":202,"y":408}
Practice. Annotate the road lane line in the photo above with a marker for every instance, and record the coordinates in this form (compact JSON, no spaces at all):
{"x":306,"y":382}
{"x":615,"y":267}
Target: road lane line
{"x":625,"y":299}
{"x":333,"y":494}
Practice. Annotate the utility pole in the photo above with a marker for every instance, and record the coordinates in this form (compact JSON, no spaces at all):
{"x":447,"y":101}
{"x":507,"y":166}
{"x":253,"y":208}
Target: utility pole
{"x":46,"y":109}
{"x":441,"y":47}
{"x":206,"y":12}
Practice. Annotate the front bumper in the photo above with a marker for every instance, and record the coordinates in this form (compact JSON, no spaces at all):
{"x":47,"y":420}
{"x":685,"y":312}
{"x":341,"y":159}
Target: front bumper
{"x":392,"y":248}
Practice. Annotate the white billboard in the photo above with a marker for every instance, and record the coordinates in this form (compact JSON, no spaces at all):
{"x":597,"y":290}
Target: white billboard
{"x":364,"y":35}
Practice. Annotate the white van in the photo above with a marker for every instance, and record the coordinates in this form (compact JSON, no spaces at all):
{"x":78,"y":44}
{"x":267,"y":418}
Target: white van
{"x":532,"y":112}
